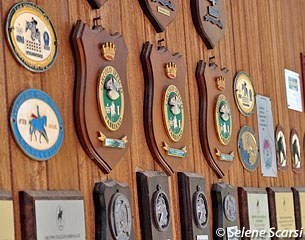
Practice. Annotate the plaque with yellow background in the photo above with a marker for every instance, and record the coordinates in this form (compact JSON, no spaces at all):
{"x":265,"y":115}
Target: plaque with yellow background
{"x":6,"y":220}
{"x":285,"y":218}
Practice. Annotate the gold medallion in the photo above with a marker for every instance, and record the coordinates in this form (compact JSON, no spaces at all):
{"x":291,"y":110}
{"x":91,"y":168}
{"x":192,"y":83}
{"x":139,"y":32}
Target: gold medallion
{"x":110,"y":100}
{"x":173,"y":113}
{"x":244,"y":93}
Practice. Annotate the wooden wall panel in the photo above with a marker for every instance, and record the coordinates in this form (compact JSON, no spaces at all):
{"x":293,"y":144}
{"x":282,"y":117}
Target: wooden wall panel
{"x":261,"y":38}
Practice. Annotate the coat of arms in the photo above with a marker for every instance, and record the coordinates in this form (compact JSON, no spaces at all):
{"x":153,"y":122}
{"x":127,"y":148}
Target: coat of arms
{"x":102,"y":106}
{"x":160,"y":12}
{"x":209,"y":19}
{"x":165,"y":117}
{"x":215,"y":90}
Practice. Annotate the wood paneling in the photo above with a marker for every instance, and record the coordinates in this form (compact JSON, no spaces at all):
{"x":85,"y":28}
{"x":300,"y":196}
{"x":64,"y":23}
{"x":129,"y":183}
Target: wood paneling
{"x":262,"y":37}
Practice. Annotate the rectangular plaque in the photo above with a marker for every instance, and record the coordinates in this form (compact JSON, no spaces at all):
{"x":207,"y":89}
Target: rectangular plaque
{"x":293,"y":90}
{"x":7,"y":231}
{"x":266,"y":136}
{"x":194,"y":210}
{"x":47,"y":215}
{"x":154,"y":205}
{"x":281,"y":208}
{"x":299,"y":207}
{"x":254,"y":210}
{"x":225,"y":210}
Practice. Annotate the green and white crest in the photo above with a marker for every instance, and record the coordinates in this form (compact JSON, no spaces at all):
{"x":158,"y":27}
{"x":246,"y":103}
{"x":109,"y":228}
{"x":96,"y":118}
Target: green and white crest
{"x":111,"y":98}
{"x":223,"y":119}
{"x":173,"y":113}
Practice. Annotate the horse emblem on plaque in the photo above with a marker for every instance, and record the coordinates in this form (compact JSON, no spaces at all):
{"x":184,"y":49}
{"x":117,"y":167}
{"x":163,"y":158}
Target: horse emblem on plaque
{"x":160,"y":12}
{"x":166,"y":117}
{"x":37,"y":124}
{"x":102,"y":106}
{"x":215,"y":90}
{"x":31,"y":36}
{"x":209,"y":19}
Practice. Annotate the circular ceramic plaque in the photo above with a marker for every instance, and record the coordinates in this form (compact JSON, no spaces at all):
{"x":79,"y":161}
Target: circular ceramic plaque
{"x":223,"y":120}
{"x":173,"y":113}
{"x":120,"y":217}
{"x":230,"y":208}
{"x":200,"y":209}
{"x":161,"y":210}
{"x":111,"y":98}
{"x":281,"y":149}
{"x":244,"y":93}
{"x":37,"y":124}
{"x":248,"y":148}
{"x":31,"y":36}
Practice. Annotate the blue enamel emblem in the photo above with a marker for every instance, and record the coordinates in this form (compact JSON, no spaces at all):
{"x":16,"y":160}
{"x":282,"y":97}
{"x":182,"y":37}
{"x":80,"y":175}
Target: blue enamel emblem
{"x":37,"y":124}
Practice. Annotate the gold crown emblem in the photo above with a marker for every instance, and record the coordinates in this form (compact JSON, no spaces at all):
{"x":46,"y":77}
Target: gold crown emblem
{"x":221,"y":83}
{"x":171,"y":70}
{"x":108,"y":51}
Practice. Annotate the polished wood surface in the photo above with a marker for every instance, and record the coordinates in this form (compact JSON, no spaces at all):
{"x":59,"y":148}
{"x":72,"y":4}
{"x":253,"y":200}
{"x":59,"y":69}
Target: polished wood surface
{"x":262,"y":37}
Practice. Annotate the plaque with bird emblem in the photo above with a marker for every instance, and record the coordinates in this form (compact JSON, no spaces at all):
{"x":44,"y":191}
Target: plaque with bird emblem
{"x":254,"y":209}
{"x":31,"y":37}
{"x":36,"y":124}
{"x":281,"y":149}
{"x":194,"y":211}
{"x":295,"y":146}
{"x":102,"y":105}
{"x":160,"y":12}
{"x":209,"y":18}
{"x":96,"y":4}
{"x":248,"y":148}
{"x":215,"y":96}
{"x":154,"y":205}
{"x":52,"y":215}
{"x":225,"y":210}
{"x":166,"y":116}
{"x":113,"y":211}
{"x":281,"y":210}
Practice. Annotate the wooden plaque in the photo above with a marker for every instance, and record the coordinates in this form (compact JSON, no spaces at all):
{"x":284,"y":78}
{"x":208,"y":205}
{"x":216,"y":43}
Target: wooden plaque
{"x":281,"y":209}
{"x":113,"y":211}
{"x":295,"y":146}
{"x":166,"y":116}
{"x":299,"y":207}
{"x":216,"y":105}
{"x":194,"y":210}
{"x":281,"y":149}
{"x":7,"y":229}
{"x":52,"y":214}
{"x":96,"y":4}
{"x":225,"y":209}
{"x":209,"y":19}
{"x":253,"y":208}
{"x":160,"y":12}
{"x":102,"y":104}
{"x":154,"y":205}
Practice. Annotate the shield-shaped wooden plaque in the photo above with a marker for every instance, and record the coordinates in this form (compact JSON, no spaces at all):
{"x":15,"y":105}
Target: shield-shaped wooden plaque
{"x":216,"y":99}
{"x":96,"y":4}
{"x":102,"y":105}
{"x":166,"y":119}
{"x":209,"y":19}
{"x":160,"y":12}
